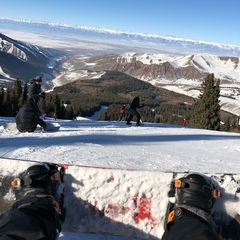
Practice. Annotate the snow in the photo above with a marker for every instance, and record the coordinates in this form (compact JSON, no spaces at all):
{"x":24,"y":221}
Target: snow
{"x":155,"y":148}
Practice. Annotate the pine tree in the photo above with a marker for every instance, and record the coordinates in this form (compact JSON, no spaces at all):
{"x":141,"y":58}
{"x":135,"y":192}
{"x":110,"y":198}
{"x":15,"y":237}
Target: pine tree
{"x":207,"y":111}
{"x":16,"y":96}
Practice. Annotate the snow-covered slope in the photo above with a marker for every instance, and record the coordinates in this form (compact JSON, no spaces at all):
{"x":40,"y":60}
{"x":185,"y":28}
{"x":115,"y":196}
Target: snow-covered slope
{"x":154,"y":147}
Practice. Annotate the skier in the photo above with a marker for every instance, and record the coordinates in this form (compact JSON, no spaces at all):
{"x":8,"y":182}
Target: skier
{"x":122,"y":112}
{"x":184,"y":122}
{"x":191,"y":216}
{"x":35,"y":215}
{"x":28,"y":117}
{"x":133,"y":111}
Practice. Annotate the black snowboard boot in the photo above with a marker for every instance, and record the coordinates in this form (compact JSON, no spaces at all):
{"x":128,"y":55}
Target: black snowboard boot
{"x":196,"y":190}
{"x":43,"y":179}
{"x":190,"y":217}
{"x":37,"y":213}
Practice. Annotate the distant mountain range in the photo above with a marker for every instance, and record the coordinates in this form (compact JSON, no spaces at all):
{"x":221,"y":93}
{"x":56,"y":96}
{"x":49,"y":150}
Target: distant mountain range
{"x":130,"y":40}
{"x":65,"y":54}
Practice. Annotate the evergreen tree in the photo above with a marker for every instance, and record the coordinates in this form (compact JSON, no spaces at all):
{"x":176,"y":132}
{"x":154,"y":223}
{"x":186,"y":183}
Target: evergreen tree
{"x":7,"y":110}
{"x":16,"y":96}
{"x":207,"y":111}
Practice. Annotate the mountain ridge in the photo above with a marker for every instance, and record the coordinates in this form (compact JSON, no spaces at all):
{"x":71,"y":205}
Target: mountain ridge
{"x":178,"y":73}
{"x":169,"y":43}
{"x":24,"y":60}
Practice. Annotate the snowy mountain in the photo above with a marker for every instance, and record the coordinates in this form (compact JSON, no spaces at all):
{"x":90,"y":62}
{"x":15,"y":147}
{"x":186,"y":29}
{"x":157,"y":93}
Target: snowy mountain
{"x":182,"y":74}
{"x":24,"y":60}
{"x":175,"y":64}
{"x":130,"y":40}
{"x":160,"y":67}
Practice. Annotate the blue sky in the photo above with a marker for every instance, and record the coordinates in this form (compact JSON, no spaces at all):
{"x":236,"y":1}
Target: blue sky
{"x":204,"y":20}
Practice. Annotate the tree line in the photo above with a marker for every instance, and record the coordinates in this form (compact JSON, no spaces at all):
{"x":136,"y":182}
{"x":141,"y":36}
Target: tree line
{"x":71,"y":100}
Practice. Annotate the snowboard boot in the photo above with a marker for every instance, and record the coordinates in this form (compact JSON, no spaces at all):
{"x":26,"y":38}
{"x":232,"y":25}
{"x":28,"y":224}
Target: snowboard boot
{"x":40,"y":180}
{"x":195,"y":195}
{"x":197,"y":191}
{"x":40,"y":203}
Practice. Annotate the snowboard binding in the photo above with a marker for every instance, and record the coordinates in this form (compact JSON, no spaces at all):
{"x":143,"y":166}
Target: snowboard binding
{"x":196,"y":190}
{"x":42,"y":180}
{"x":195,"y":193}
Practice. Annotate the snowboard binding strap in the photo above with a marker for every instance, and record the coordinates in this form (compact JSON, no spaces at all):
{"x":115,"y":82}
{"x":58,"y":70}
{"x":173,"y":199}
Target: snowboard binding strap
{"x":19,"y":182}
{"x":177,"y":213}
{"x":214,"y":193}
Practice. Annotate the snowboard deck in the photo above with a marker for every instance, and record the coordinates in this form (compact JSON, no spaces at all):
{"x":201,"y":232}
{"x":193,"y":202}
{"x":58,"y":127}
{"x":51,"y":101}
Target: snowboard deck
{"x":128,"y":203}
{"x":51,"y":126}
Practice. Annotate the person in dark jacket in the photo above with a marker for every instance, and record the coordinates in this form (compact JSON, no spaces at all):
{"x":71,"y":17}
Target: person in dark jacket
{"x":36,"y":213}
{"x":28,"y":117}
{"x":34,"y":90}
{"x":191,"y":215}
{"x":133,"y":111}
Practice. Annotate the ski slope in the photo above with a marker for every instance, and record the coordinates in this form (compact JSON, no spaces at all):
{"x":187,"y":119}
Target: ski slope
{"x":153,"y":147}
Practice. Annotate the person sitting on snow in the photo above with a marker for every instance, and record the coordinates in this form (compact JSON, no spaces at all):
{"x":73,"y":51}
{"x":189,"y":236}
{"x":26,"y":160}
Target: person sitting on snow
{"x":28,"y":117}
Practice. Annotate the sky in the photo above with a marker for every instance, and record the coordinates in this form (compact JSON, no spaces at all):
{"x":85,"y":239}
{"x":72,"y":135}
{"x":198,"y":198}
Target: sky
{"x":123,"y":163}
{"x":210,"y":21}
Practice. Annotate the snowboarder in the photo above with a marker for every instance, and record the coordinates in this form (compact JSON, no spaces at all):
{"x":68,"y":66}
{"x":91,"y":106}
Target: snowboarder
{"x":191,"y":217}
{"x":35,"y":91}
{"x":133,"y":111}
{"x":28,"y":117}
{"x":35,"y":214}
{"x":122,"y":112}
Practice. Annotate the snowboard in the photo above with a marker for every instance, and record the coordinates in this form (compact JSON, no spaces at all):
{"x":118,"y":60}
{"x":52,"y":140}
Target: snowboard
{"x":51,"y":126}
{"x":128,"y":203}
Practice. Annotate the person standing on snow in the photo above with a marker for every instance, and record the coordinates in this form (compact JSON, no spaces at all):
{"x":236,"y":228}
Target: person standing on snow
{"x":35,"y":90}
{"x":184,"y":122}
{"x":133,"y":111}
{"x":122,"y":112}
